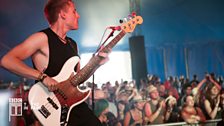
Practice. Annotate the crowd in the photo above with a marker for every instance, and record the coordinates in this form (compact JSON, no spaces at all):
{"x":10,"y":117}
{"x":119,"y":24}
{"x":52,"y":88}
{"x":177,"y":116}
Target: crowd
{"x":155,"y":102}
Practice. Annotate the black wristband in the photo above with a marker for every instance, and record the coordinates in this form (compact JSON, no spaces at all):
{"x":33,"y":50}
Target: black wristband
{"x":42,"y":77}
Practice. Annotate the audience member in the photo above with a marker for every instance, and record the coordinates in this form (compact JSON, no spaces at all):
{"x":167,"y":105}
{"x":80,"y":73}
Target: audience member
{"x":155,"y":109}
{"x":190,"y":113}
{"x":134,"y":117}
{"x":101,"y":108}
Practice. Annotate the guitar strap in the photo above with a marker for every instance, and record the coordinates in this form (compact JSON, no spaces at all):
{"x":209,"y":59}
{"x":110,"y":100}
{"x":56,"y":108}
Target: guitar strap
{"x":70,"y":43}
{"x":75,"y":49}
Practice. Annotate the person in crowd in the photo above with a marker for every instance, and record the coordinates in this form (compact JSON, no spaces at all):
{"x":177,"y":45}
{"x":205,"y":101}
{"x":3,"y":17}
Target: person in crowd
{"x":172,"y":107}
{"x":173,"y":92}
{"x":121,"y":110}
{"x":135,"y":117}
{"x":125,"y":92}
{"x":155,"y":109}
{"x":194,"y":81}
{"x":198,"y":92}
{"x":190,"y":113}
{"x":112,"y":120}
{"x":211,"y":104}
{"x":187,"y":89}
{"x":101,"y":109}
{"x":162,"y":91}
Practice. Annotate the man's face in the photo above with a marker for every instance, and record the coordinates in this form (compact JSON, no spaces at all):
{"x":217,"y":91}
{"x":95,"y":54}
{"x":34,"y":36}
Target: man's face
{"x":188,"y":91}
{"x":154,"y":94}
{"x":72,"y":17}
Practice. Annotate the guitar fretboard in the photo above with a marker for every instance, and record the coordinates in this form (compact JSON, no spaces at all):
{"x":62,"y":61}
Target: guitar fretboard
{"x":93,"y":64}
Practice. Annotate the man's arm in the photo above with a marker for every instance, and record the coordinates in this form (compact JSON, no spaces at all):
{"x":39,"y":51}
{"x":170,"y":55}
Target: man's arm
{"x":127,"y":118}
{"x":149,"y":114}
{"x":14,"y":59}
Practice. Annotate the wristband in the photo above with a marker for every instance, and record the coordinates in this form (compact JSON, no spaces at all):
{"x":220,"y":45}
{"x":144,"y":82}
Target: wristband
{"x":41,"y":77}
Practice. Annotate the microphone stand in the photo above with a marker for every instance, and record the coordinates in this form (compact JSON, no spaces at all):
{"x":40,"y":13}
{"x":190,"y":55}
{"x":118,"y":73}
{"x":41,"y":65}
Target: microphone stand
{"x":93,"y":81}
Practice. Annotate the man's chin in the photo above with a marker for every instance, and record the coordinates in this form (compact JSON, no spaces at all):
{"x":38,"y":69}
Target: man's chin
{"x":76,"y":28}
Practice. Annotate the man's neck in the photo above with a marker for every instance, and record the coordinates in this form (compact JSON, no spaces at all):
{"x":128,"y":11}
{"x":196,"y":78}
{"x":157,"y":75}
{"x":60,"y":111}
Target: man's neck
{"x":60,"y":32}
{"x":155,"y":101}
{"x":59,"y":29}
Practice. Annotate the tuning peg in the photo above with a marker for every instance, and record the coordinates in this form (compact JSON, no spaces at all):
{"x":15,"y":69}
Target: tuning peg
{"x":129,"y":17}
{"x":125,"y":19}
{"x":133,"y":14}
{"x":121,"y":21}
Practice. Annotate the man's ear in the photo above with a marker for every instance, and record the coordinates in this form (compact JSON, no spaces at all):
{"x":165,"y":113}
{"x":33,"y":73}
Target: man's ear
{"x":62,"y":14}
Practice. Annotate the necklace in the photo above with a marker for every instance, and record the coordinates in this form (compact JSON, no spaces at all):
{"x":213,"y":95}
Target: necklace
{"x":63,"y":40}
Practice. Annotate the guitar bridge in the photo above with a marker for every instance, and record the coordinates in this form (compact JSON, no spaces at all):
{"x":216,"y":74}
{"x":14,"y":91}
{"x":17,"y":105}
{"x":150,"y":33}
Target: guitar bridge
{"x":44,"y":111}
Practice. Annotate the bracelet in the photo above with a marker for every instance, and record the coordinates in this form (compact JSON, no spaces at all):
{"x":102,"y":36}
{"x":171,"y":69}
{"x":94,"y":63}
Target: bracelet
{"x":41,"y":77}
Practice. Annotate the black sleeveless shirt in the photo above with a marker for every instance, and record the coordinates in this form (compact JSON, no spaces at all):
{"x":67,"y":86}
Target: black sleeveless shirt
{"x":59,"y":52}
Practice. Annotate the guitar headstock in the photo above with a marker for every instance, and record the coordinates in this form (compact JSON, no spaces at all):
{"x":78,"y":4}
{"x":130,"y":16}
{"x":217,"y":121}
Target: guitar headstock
{"x":130,"y":25}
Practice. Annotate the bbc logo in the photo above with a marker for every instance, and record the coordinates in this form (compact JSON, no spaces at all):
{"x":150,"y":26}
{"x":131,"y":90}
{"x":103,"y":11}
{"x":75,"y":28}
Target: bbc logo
{"x":15,"y":107}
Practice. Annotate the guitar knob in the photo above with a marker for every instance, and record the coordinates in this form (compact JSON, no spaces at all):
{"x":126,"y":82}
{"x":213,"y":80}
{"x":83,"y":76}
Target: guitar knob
{"x":121,"y":21}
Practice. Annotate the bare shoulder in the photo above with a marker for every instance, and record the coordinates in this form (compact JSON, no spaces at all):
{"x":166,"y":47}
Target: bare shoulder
{"x":34,"y":42}
{"x":37,"y":39}
{"x":29,"y":46}
{"x":147,"y":107}
{"x":206,"y":102}
{"x":147,"y":104}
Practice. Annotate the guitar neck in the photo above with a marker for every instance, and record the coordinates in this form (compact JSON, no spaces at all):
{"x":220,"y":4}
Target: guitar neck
{"x":93,"y":64}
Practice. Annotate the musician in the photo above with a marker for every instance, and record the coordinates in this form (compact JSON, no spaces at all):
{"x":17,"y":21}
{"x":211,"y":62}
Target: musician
{"x":50,"y":49}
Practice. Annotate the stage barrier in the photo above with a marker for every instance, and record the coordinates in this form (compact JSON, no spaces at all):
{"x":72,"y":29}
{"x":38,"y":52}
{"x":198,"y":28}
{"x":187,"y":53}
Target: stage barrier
{"x":207,"y":123}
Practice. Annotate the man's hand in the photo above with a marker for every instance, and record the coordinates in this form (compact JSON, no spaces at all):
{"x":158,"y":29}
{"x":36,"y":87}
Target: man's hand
{"x":162,"y":104}
{"x":103,"y":55}
{"x":50,"y":83}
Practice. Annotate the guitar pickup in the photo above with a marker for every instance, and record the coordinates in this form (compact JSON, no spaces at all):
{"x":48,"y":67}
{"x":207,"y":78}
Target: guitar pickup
{"x":44,"y":111}
{"x":52,"y":103}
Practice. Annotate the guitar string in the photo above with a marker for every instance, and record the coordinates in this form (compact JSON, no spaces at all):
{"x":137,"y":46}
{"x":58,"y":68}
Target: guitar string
{"x":67,"y":86}
{"x":54,"y":98}
{"x":65,"y":41}
{"x":48,"y":105}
